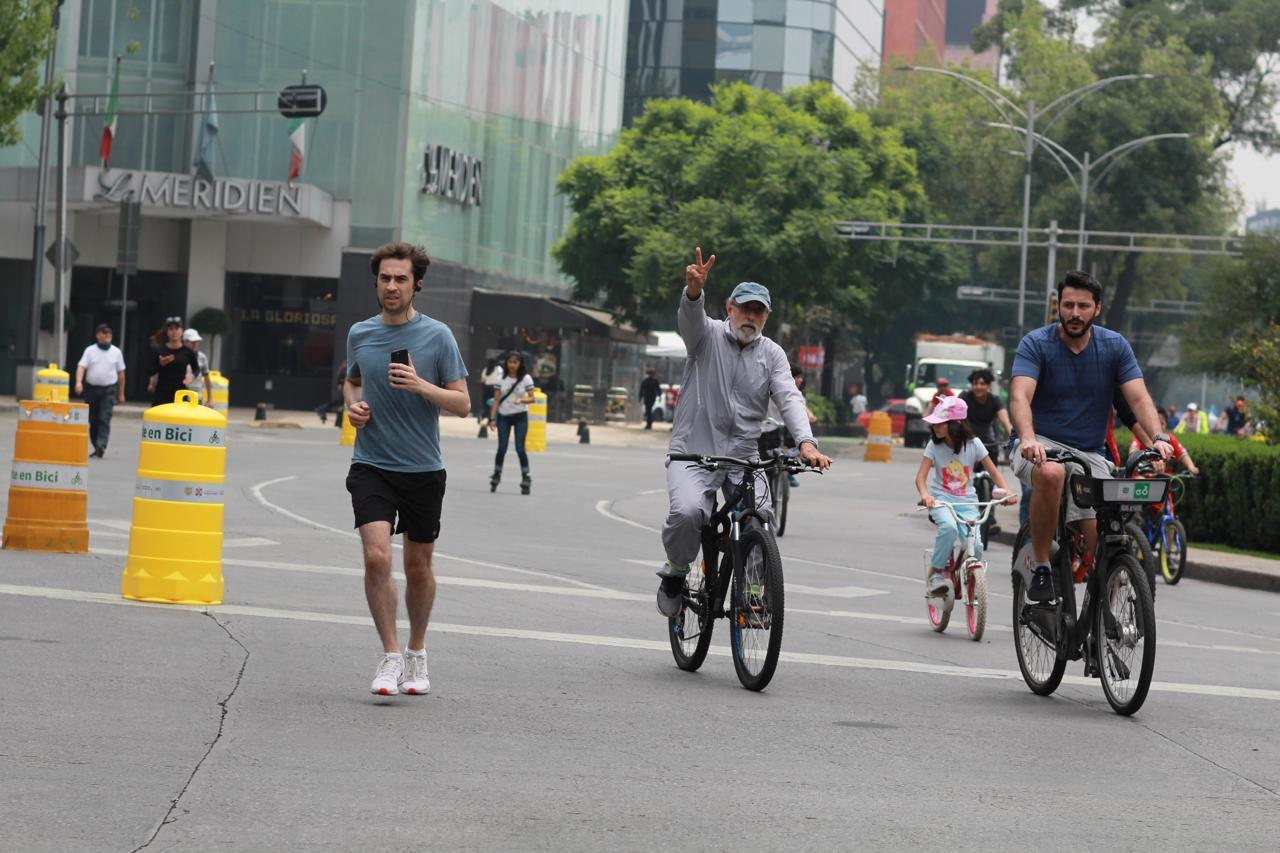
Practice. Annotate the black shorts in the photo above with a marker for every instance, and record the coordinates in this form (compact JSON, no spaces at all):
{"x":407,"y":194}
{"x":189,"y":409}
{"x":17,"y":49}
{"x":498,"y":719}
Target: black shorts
{"x":409,"y":501}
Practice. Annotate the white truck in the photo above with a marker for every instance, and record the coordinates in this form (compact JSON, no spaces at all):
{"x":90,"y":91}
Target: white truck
{"x":950,"y":357}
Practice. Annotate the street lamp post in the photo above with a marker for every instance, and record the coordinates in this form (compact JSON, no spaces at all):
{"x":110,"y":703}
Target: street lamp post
{"x":42,"y":183}
{"x":1030,"y":116}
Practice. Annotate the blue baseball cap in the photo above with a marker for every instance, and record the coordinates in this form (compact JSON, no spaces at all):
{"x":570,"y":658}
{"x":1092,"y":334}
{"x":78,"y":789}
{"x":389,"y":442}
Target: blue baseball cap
{"x":750,"y":291}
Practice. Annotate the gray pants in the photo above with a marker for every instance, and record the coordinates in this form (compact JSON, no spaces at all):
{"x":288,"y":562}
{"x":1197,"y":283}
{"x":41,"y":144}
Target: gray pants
{"x":690,"y":494}
{"x":102,"y":402}
{"x":1098,"y":467}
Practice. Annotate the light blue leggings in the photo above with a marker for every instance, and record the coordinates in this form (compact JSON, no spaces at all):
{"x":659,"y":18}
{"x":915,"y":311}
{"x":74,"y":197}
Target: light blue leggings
{"x":949,"y":530}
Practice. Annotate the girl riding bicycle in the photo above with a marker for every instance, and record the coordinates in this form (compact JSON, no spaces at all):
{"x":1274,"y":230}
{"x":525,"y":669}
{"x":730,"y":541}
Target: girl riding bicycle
{"x":955,"y":452}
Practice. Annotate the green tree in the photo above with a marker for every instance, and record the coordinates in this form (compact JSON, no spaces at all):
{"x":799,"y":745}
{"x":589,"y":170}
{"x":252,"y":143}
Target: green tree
{"x":757,"y":178}
{"x":1241,"y":303}
{"x":26,"y":37}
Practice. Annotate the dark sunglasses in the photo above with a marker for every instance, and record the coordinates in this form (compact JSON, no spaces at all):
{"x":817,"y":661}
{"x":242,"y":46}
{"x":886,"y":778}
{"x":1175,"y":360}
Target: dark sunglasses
{"x":173,"y":321}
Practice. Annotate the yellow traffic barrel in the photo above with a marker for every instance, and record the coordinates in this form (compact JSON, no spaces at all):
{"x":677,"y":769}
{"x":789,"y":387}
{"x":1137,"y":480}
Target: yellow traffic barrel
{"x":616,"y":405}
{"x":348,"y":437}
{"x":53,"y":384}
{"x":48,"y":485}
{"x":536,"y":439}
{"x":175,"y":541}
{"x":879,"y":440}
{"x":220,"y":387}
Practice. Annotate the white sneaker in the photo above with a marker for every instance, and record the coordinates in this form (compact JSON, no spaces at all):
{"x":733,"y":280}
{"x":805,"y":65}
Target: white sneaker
{"x":414,"y":680}
{"x":386,"y":681}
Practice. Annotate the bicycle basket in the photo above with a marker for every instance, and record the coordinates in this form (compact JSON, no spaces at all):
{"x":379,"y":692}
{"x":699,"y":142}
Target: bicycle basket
{"x":1092,"y":492}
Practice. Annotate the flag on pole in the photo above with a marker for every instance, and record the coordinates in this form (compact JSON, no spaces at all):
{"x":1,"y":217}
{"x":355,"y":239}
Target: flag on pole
{"x":208,"y":135}
{"x":109,"y":128}
{"x":298,"y":139}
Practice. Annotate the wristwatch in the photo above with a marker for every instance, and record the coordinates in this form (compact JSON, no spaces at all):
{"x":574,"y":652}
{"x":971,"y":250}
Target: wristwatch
{"x":1162,"y":436}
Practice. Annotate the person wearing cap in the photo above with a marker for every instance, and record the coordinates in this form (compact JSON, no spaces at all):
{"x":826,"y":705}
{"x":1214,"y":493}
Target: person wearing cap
{"x":1065,"y":376}
{"x":731,"y":374}
{"x":955,"y":454}
{"x":100,"y":380}
{"x":171,"y":361}
{"x":200,"y":377}
{"x":1193,"y":421}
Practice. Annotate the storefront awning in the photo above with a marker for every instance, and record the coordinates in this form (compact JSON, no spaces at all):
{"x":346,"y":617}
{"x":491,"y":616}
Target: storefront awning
{"x":531,"y":311}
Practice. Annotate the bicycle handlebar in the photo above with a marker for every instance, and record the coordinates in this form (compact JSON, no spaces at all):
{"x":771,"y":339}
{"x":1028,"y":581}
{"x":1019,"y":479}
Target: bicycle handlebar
{"x":714,"y":462}
{"x":982,"y":516}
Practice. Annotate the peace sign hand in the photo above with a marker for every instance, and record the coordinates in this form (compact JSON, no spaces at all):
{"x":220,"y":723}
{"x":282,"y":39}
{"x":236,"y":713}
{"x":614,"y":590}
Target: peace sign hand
{"x":695,"y":275}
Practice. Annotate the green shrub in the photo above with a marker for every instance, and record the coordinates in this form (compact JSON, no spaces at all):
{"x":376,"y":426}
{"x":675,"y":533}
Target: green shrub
{"x":1236,"y":499}
{"x":823,"y":409}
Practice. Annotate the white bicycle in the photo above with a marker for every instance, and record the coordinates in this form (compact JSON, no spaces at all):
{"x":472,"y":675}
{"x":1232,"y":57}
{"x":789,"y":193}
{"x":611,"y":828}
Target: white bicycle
{"x":964,"y":571}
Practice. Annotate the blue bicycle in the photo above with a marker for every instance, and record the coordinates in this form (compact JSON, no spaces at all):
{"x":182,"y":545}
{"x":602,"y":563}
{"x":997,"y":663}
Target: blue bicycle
{"x":1165,"y":533}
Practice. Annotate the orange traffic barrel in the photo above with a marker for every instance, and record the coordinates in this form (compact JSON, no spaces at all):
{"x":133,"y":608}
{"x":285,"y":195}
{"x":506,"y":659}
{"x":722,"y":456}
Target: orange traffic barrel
{"x":48,"y":486}
{"x":175,"y":540}
{"x":879,"y":439}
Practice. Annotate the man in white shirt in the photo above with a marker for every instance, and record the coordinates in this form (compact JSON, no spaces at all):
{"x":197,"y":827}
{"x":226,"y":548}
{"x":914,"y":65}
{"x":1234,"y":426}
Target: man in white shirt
{"x":857,"y":400}
{"x":100,"y":380}
{"x":201,"y":384}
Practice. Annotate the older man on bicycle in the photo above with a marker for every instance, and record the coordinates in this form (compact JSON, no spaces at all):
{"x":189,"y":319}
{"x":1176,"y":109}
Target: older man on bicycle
{"x":731,"y":374}
{"x":1064,"y":378}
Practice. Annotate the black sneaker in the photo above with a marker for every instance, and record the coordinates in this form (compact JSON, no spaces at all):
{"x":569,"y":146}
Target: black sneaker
{"x":1041,"y":588}
{"x":671,"y":590}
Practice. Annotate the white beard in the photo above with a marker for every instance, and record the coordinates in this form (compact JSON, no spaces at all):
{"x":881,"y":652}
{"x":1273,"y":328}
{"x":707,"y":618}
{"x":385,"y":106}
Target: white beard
{"x":744,"y":334}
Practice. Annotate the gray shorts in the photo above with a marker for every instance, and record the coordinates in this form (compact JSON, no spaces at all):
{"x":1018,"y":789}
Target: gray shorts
{"x":1098,"y":467}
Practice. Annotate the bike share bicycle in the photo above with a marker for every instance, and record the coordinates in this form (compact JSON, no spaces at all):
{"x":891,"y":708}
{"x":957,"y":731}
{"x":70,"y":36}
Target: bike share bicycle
{"x":964,"y":571}
{"x":739,"y":577}
{"x":1114,"y":630}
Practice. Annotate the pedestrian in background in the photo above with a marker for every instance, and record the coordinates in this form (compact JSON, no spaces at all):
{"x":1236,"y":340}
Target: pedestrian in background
{"x":170,"y":361}
{"x":335,"y":404}
{"x":100,"y":380}
{"x":1193,"y":421}
{"x":1237,"y":417}
{"x":510,"y":411}
{"x":650,"y":389}
{"x":490,"y":379}
{"x":857,"y":401}
{"x":198,"y":380}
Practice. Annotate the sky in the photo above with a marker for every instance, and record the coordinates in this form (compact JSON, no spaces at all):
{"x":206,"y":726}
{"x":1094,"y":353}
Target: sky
{"x":1257,"y":177}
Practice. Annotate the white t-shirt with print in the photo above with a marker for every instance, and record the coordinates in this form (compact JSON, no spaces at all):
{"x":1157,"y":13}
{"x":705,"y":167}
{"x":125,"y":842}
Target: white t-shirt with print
{"x":952,"y":475}
{"x":514,"y":404}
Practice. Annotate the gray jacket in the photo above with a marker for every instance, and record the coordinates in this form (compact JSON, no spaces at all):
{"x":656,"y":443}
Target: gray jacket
{"x":726,"y":389}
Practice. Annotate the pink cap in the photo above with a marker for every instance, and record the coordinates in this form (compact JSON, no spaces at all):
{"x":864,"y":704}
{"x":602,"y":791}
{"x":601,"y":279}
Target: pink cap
{"x":950,"y":409}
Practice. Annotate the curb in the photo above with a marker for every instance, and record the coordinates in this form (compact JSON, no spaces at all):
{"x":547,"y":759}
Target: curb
{"x":1243,"y":578}
{"x":1233,"y":576}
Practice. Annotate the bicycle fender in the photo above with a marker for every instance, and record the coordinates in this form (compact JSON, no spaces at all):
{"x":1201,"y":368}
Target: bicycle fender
{"x":1025,"y":559}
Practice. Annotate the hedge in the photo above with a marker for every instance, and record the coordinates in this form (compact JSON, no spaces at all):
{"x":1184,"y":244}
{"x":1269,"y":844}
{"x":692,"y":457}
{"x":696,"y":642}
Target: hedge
{"x":1236,"y":499}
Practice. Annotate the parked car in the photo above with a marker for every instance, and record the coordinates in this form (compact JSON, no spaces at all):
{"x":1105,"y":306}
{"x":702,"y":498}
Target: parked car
{"x":896,"y":408}
{"x":665,"y":407}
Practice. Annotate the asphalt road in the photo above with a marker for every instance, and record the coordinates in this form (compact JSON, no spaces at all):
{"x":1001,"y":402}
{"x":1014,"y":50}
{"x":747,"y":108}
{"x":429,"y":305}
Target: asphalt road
{"x":557,"y":719}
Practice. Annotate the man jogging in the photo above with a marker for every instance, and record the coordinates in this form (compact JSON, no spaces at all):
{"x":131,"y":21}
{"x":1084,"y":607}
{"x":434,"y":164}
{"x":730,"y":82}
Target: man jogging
{"x":403,"y":368}
{"x":732,"y":373}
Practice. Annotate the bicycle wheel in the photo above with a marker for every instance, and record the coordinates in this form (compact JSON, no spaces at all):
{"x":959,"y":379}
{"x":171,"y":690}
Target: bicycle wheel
{"x":780,"y":503}
{"x":755,"y":617}
{"x":690,"y":632}
{"x":1124,"y":630}
{"x":1173,"y":551}
{"x":1140,"y":547}
{"x":976,"y":592}
{"x":1037,"y":657}
{"x":939,"y":615}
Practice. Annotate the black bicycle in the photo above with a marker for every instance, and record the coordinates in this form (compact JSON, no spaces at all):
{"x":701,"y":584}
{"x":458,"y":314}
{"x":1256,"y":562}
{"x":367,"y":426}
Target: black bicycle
{"x":739,"y":578}
{"x":1115,"y":628}
{"x":773,"y":449}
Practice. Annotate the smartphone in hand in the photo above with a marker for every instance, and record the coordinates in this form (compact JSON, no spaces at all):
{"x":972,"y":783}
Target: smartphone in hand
{"x":400,"y":356}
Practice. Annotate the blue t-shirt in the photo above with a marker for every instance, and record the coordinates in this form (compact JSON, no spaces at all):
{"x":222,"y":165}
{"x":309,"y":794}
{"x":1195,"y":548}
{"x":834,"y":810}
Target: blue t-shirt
{"x":403,"y":432}
{"x":1074,"y":391}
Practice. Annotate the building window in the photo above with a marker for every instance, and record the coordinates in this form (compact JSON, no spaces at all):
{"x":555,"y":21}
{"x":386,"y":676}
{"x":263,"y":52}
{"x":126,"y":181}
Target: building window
{"x":282,"y":325}
{"x":733,"y":47}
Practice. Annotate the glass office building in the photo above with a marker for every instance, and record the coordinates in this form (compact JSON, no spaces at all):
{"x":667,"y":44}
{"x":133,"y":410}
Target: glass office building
{"x":681,"y":47}
{"x":447,"y":123}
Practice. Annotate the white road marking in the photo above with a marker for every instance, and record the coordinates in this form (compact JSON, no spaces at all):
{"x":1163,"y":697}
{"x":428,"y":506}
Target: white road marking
{"x":605,"y":508}
{"x":841,"y":661}
{"x":654,"y":492}
{"x":256,"y":491}
{"x":447,"y":580}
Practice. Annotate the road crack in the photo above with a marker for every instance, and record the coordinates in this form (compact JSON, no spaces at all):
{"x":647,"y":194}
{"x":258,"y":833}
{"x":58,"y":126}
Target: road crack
{"x":222,"y":721}
{"x":1209,"y":760}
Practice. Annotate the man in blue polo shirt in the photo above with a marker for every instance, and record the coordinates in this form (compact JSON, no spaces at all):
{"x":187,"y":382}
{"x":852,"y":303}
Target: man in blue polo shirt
{"x":1064,"y":377}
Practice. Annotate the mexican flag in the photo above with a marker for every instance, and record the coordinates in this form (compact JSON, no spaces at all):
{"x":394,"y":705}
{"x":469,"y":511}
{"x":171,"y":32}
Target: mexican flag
{"x":298,"y":139}
{"x":109,"y":128}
